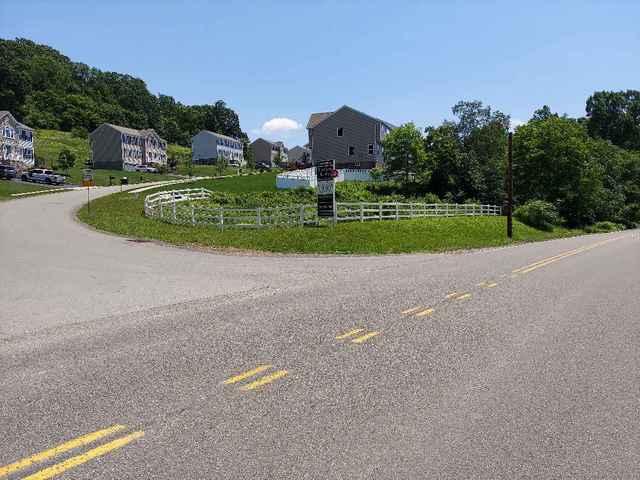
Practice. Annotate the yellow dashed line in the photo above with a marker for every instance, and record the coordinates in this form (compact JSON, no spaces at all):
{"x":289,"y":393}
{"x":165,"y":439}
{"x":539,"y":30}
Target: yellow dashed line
{"x":365,"y":337}
{"x":265,"y":380}
{"x":452,"y":294}
{"x":410,"y":310}
{"x":464,"y":296}
{"x":59,"y":468}
{"x":247,"y":374}
{"x":350,"y":333}
{"x":425,"y":312}
{"x":62,"y":448}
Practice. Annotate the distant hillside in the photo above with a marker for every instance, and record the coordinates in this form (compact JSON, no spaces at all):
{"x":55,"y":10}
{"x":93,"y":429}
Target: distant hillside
{"x":45,"y":89}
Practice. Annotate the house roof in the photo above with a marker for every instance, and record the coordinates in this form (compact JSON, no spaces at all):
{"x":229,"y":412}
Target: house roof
{"x":277,"y":144}
{"x":218,"y":135}
{"x":4,"y":113}
{"x":133,"y":131}
{"x":316,"y":118}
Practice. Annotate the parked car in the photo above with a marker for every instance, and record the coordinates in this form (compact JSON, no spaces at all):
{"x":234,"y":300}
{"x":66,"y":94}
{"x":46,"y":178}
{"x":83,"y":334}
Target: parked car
{"x":41,"y":175}
{"x":262,"y":166}
{"x":146,"y":169}
{"x":7,"y":172}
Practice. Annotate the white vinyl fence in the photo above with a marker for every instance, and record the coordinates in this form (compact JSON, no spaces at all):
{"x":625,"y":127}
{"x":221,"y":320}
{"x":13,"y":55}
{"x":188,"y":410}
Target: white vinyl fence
{"x":186,"y":207}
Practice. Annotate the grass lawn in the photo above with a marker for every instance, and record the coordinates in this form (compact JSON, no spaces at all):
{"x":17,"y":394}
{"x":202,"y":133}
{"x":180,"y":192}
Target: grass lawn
{"x":122,"y":213}
{"x":8,"y":187}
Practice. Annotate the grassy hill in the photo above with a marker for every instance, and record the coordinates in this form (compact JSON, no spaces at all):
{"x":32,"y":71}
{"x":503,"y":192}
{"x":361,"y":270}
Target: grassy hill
{"x":121,"y":213}
{"x":49,"y":144}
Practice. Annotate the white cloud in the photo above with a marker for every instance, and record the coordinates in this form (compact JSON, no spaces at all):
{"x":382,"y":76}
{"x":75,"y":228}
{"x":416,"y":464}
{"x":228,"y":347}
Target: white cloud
{"x":279,"y":125}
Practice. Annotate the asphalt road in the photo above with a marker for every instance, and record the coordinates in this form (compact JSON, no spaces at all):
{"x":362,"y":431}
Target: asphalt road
{"x":127,"y":360}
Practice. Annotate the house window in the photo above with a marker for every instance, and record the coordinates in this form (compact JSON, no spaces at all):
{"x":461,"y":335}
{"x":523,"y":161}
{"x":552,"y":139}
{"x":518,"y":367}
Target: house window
{"x":356,"y":164}
{"x":339,"y":132}
{"x":352,"y":150}
{"x":371,"y":149}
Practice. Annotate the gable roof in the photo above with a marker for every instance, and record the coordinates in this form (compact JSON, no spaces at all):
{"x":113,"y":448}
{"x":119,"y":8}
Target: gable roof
{"x":317,"y":118}
{"x":209,"y":132}
{"x":6,"y":113}
{"x":132,"y":131}
{"x":260,"y":139}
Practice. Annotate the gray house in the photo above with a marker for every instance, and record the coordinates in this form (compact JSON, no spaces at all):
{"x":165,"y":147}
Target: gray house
{"x":267,"y":152}
{"x":16,"y":142}
{"x":347,"y":136}
{"x":207,"y":147}
{"x":300,"y":156}
{"x":122,"y":148}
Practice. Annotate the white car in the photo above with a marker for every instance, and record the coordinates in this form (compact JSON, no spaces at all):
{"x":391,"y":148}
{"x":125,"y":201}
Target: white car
{"x":146,"y":169}
{"x":43,"y":176}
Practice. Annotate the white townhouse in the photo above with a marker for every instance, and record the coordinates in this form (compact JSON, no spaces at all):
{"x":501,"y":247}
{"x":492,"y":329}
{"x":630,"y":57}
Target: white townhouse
{"x":207,"y":147}
{"x":16,"y":142}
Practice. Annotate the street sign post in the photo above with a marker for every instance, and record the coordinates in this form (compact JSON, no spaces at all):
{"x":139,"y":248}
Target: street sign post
{"x":87,"y":178}
{"x":326,"y":173}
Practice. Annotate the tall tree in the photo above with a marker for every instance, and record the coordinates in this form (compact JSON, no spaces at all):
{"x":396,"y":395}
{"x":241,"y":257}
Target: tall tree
{"x":468,"y":154}
{"x":615,"y":116}
{"x":404,"y":154}
{"x":45,"y":89}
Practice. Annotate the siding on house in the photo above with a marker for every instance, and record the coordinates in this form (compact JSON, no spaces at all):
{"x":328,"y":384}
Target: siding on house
{"x":207,"y":146}
{"x":300,"y":155}
{"x":118,"y":148}
{"x":16,"y":142}
{"x":266,"y":152}
{"x":358,"y":146}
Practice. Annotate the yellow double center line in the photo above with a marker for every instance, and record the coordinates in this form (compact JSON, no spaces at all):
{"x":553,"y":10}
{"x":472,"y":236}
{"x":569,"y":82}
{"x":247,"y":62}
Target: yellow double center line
{"x":259,"y":382}
{"x":73,"y":461}
{"x":546,"y":261}
{"x":359,"y":338}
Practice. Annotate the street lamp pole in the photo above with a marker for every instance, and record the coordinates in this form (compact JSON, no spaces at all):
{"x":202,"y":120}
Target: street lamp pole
{"x":510,"y":186}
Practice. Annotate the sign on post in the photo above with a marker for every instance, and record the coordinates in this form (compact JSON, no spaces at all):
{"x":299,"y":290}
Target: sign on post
{"x":87,"y":178}
{"x":326,"y":173}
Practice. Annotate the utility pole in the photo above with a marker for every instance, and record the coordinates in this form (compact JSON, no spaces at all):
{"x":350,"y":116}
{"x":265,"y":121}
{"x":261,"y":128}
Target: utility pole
{"x":510,"y":187}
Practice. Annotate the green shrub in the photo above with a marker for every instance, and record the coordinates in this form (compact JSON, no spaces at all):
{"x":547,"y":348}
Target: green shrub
{"x":604,"y":227}
{"x":79,"y":132}
{"x":631,"y":215}
{"x":538,"y":214}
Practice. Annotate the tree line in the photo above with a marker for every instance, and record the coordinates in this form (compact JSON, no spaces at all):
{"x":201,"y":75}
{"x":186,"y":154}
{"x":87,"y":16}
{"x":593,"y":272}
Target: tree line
{"x":45,"y":89}
{"x":587,"y":169}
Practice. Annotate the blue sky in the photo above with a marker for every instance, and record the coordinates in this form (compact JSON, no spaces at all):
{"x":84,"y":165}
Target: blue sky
{"x":401,"y":61}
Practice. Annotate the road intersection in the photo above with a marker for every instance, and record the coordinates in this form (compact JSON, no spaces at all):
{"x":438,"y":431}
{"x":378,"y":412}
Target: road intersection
{"x":127,"y":360}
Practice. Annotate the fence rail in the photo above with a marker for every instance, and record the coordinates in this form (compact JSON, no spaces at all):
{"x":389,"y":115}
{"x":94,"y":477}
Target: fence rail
{"x":186,"y":207}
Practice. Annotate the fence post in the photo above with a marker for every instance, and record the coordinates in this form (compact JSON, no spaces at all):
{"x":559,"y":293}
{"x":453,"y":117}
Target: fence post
{"x":397,"y":211}
{"x":380,"y":210}
{"x":193,"y":214}
{"x":301,"y":217}
{"x":174,"y":209}
{"x":161,"y":210}
{"x":361,"y":212}
{"x":411,"y":210}
{"x":259,"y":216}
{"x":221,"y":219}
